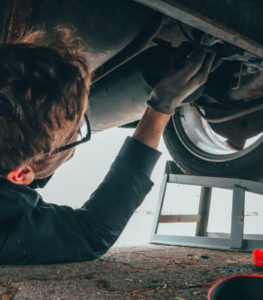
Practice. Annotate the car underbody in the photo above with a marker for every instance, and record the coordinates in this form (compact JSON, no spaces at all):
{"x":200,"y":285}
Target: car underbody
{"x":133,"y":44}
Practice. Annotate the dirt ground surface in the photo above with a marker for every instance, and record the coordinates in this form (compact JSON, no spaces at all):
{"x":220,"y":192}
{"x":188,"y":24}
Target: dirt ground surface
{"x":142,"y":272}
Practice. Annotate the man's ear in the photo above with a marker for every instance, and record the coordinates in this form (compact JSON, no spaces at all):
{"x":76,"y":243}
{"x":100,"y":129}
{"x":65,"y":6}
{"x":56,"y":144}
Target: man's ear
{"x":21,"y":175}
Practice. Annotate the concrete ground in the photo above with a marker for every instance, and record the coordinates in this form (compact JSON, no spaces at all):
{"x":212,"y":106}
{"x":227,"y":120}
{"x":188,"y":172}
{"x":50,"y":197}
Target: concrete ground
{"x":146,"y":272}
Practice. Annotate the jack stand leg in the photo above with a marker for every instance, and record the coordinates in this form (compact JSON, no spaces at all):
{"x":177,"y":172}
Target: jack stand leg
{"x":160,"y":204}
{"x":237,"y":226}
{"x":204,"y":208}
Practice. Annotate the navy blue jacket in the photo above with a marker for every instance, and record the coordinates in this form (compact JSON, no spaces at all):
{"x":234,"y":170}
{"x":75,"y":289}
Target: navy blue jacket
{"x":35,"y":232}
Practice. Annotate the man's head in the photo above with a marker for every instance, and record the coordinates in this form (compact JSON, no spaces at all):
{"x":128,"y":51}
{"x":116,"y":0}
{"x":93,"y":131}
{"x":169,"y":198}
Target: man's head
{"x":43,"y":97}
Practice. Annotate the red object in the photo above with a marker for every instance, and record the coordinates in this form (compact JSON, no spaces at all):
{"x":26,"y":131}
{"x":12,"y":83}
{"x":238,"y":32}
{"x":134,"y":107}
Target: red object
{"x":258,"y":257}
{"x":180,"y":65}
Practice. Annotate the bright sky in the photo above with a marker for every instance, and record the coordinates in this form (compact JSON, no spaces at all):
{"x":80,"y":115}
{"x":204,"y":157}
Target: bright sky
{"x":75,"y":181}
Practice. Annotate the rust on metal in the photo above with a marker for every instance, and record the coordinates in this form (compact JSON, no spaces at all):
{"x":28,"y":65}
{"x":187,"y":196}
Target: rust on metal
{"x":17,"y":19}
{"x":238,"y":22}
{"x":250,"y":88}
{"x":179,"y":218}
{"x":240,"y":129}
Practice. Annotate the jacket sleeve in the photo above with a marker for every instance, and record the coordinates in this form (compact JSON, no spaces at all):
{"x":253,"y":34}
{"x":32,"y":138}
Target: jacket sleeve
{"x":50,"y":233}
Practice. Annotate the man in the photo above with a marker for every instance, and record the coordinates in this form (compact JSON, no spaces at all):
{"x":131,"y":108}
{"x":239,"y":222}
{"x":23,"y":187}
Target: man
{"x":43,"y":105}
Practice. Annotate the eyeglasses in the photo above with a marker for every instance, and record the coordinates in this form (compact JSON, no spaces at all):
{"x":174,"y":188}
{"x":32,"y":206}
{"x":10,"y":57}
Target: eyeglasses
{"x":84,"y":135}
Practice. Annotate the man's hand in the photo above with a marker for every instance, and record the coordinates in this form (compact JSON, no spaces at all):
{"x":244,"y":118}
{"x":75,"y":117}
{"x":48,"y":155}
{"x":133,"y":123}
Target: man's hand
{"x":176,"y":86}
{"x":168,"y":94}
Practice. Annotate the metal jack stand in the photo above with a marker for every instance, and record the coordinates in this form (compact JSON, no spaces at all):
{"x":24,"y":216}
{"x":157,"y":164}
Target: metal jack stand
{"x":235,"y":240}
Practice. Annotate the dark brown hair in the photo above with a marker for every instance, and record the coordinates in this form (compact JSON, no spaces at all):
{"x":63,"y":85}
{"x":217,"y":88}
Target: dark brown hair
{"x":44,"y":81}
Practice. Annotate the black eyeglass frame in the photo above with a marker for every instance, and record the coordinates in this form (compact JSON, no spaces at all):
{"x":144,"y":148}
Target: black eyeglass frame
{"x":84,"y":140}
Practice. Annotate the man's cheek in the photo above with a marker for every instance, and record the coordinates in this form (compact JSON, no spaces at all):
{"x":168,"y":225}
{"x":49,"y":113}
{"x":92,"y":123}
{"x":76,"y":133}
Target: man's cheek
{"x":71,"y":155}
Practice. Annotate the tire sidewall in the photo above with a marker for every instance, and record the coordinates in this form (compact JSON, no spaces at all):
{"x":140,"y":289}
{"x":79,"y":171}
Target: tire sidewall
{"x":248,"y":166}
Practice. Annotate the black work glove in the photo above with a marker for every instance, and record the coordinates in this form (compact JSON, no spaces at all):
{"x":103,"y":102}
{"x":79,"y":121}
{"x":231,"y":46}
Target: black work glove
{"x":185,"y":80}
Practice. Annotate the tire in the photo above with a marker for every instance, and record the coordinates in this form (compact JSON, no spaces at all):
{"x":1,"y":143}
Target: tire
{"x":247,"y":165}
